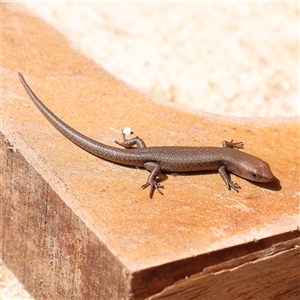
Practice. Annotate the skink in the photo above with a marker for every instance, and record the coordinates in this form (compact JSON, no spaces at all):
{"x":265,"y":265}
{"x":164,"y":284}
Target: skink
{"x":167,"y":158}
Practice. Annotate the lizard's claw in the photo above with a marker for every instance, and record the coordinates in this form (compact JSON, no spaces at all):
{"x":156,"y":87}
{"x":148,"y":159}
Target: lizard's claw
{"x":154,"y":186}
{"x":231,"y":144}
{"x":234,"y":186}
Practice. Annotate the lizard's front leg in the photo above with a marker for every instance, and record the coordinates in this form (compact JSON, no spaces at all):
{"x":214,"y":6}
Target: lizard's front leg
{"x":131,"y":142}
{"x":154,"y":168}
{"x":238,"y":145}
{"x":230,"y":184}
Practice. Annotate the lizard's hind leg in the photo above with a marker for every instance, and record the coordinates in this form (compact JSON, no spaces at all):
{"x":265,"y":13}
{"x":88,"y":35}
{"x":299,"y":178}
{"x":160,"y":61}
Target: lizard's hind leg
{"x":131,"y":142}
{"x":155,"y":169}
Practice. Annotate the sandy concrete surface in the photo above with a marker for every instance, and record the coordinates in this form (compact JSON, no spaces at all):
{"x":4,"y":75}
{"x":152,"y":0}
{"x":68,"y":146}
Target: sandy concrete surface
{"x":10,"y":287}
{"x":226,"y":58}
{"x":238,"y":59}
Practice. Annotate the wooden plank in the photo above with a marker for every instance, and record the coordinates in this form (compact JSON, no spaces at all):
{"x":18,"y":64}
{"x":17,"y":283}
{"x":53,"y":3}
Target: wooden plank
{"x":265,"y":275}
{"x":74,"y":226}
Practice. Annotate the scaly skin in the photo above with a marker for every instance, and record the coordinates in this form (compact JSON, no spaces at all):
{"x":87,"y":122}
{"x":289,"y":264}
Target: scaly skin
{"x":168,"y":158}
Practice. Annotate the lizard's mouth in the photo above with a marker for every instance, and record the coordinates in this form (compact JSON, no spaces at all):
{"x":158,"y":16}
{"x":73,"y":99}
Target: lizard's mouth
{"x":268,"y":178}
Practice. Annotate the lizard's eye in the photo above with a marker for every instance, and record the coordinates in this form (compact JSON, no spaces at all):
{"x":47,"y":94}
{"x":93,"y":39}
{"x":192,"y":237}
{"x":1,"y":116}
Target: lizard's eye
{"x":255,"y":176}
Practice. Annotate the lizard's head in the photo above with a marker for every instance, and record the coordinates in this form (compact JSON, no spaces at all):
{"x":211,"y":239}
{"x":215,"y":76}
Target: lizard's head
{"x":252,"y":168}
